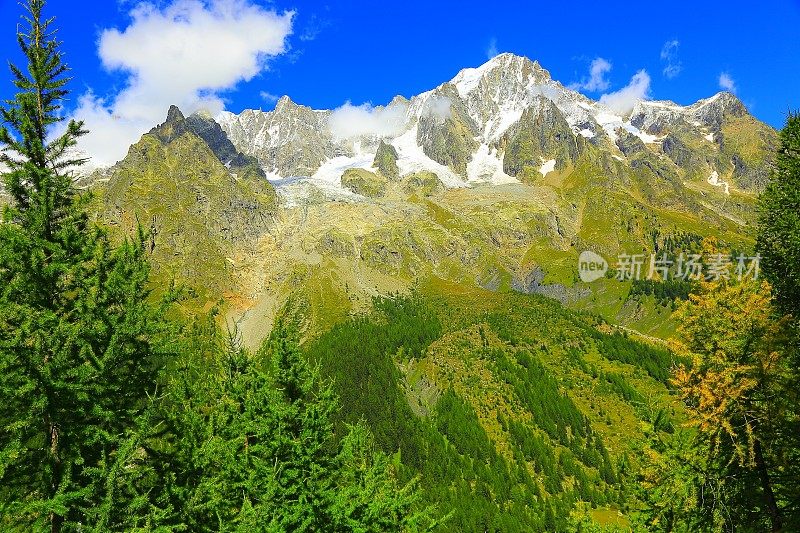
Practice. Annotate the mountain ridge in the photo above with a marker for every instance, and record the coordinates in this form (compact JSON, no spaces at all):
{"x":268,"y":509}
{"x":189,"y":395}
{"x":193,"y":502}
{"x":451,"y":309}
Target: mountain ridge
{"x":457,"y":129}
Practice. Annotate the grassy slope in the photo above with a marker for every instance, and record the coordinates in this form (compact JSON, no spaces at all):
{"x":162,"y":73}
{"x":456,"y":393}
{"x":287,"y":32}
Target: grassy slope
{"x":494,"y":237}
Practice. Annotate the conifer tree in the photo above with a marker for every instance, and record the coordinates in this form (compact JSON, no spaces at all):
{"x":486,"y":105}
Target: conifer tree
{"x":253,"y":449}
{"x":77,"y":348}
{"x":779,"y":221}
{"x":738,"y":388}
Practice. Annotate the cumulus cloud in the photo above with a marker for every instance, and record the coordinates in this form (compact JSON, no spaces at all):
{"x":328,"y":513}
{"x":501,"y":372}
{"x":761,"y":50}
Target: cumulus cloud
{"x":438,"y":106}
{"x":669,"y":56}
{"x":726,"y":82}
{"x":186,"y":53}
{"x":597,"y":77}
{"x":491,"y":50}
{"x":623,"y":100}
{"x":350,"y":121}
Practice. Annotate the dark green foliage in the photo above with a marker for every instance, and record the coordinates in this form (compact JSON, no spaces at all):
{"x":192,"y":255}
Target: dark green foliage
{"x":93,"y":436}
{"x":558,"y":458}
{"x":665,"y":292}
{"x":39,"y":179}
{"x":675,"y":243}
{"x":111,"y":421}
{"x":779,"y":221}
{"x":410,"y":323}
{"x":552,"y":410}
{"x":655,"y":361}
{"x":537,"y":449}
{"x":77,"y":370}
{"x":622,"y":387}
{"x":683,"y":490}
{"x":363,"y":371}
{"x":79,"y":344}
{"x":779,"y":245}
{"x":251,"y":447}
{"x":458,"y":422}
{"x":459,"y":467}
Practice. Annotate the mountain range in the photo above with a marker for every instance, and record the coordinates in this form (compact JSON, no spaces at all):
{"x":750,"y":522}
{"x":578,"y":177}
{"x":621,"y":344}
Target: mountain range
{"x":499,"y":178}
{"x":472,"y":129}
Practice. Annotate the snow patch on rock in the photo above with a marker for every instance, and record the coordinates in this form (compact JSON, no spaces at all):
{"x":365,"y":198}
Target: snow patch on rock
{"x":715,"y":180}
{"x":547,"y":167}
{"x":411,"y":158}
{"x":487,"y":167}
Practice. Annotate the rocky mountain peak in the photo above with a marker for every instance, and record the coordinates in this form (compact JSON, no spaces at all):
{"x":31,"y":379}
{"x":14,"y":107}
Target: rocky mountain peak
{"x":505,"y":70}
{"x":217,"y":140}
{"x":174,"y":114}
{"x":292,"y":140}
{"x":172,"y":128}
{"x":712,"y":111}
{"x":399,"y":100}
{"x":285,"y":104}
{"x":512,"y":62}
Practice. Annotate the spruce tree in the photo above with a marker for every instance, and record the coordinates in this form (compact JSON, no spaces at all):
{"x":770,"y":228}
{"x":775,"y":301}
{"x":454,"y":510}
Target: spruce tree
{"x":779,"y":222}
{"x":78,"y":354}
{"x":252,"y":448}
{"x":779,"y":245}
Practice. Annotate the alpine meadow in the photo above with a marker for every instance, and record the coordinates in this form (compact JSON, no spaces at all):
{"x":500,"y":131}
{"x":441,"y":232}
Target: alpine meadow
{"x":494,"y":305}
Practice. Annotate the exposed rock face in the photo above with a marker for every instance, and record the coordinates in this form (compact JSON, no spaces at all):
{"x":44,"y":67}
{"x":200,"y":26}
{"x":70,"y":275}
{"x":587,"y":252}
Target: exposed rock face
{"x":504,"y":86}
{"x":658,"y":118}
{"x":503,"y":120}
{"x":655,"y":118}
{"x":676,"y":150}
{"x":292,"y":140}
{"x":448,"y":140}
{"x":172,"y":128}
{"x":750,"y":176}
{"x":541,"y":134}
{"x":713,"y":111}
{"x":629,"y":144}
{"x":211,"y":132}
{"x":386,"y":161}
{"x":533,"y":283}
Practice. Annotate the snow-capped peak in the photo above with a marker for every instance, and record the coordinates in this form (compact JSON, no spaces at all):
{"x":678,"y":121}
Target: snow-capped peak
{"x":501,"y":68}
{"x":481,"y":107}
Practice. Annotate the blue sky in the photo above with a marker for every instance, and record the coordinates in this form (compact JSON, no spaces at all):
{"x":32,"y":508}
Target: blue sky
{"x":324,"y":54}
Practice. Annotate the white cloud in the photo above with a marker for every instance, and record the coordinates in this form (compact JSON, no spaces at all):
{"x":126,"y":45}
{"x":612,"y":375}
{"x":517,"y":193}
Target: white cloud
{"x":314,"y":27}
{"x":669,"y":55}
{"x":364,"y":120}
{"x":438,"y":106}
{"x":269,"y":97}
{"x":491,"y":50}
{"x":597,"y":77}
{"x":726,"y":82}
{"x":186,"y":54}
{"x":623,"y":100}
